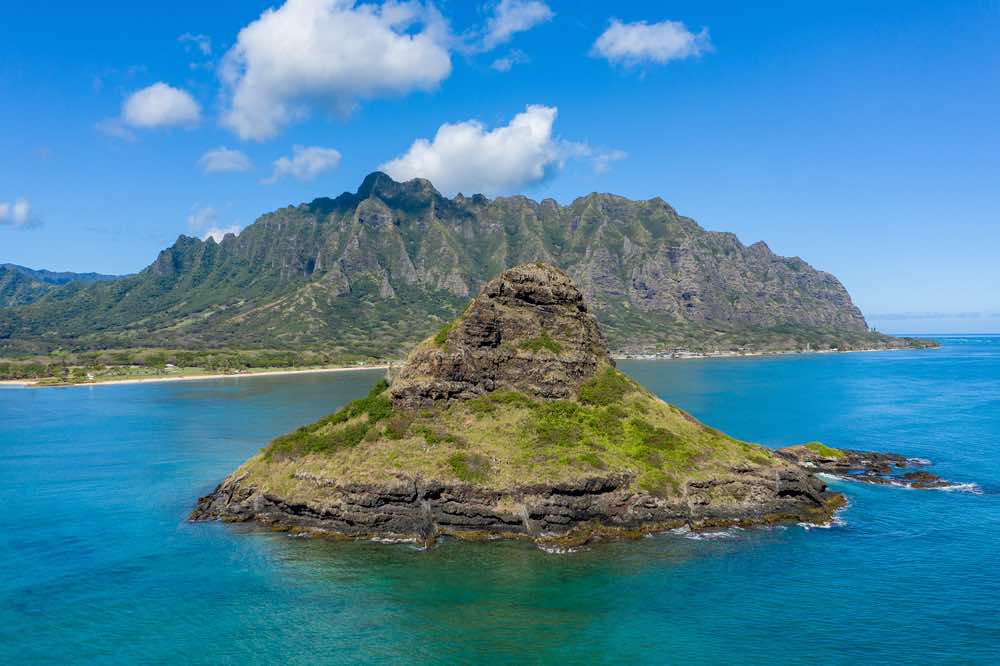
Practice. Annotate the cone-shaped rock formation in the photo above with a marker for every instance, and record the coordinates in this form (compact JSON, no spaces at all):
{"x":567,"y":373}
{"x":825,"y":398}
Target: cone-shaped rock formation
{"x":528,"y":331}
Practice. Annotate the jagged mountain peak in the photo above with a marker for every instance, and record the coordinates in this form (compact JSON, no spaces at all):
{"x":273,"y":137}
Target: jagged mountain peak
{"x":382,"y":185}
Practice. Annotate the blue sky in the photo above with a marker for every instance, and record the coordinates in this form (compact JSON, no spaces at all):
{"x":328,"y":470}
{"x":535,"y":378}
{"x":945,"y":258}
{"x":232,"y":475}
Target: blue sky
{"x":863,"y":137}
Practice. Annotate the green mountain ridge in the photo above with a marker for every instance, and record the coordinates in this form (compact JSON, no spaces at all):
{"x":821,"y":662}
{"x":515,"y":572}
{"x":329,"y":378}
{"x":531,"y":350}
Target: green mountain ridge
{"x":375,"y":271}
{"x":20,"y":285}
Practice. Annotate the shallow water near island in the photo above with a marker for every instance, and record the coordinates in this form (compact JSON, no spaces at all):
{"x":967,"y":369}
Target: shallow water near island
{"x":100,"y":564}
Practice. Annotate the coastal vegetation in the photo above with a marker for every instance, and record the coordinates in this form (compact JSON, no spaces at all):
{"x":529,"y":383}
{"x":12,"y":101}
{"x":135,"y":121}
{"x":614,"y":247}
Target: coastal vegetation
{"x":825,"y":451}
{"x":117,"y":364}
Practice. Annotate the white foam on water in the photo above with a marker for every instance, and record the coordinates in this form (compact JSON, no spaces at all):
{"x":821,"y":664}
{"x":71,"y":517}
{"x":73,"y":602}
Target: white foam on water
{"x":409,"y":540}
{"x":560,"y":550}
{"x":837,"y":520}
{"x":972,"y":488}
{"x":713,"y":536}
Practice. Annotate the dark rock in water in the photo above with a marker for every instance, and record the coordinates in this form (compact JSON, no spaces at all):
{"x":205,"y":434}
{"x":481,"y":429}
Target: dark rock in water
{"x":866,"y":466}
{"x":923,"y":479}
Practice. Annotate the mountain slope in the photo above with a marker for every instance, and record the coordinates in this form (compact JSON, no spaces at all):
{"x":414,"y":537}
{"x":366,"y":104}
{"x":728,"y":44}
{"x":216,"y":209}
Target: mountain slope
{"x":20,"y":285}
{"x":375,"y":271}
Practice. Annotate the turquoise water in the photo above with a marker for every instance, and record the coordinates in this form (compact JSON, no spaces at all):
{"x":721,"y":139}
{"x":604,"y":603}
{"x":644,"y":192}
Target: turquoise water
{"x":99,"y":564}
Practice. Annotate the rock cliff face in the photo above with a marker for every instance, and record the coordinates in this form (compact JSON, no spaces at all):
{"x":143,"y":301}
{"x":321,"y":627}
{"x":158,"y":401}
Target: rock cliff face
{"x":513,"y":421}
{"x":375,"y":271}
{"x":556,"y":515}
{"x":528,"y":331}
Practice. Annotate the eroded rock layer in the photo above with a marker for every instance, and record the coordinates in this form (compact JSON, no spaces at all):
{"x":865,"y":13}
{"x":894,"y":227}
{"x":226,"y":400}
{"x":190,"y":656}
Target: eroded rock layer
{"x":528,"y":330}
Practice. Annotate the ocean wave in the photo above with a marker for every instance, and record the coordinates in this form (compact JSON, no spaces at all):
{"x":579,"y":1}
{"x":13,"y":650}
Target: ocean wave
{"x":716,"y":535}
{"x":972,"y":488}
{"x":390,"y":540}
{"x":560,"y":550}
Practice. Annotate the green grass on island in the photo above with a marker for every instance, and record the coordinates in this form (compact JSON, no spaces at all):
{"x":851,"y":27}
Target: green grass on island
{"x":823,"y":450}
{"x":505,"y":439}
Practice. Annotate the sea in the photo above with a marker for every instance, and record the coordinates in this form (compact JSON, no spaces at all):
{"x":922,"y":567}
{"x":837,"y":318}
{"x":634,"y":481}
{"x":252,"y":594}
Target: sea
{"x":100,"y":565}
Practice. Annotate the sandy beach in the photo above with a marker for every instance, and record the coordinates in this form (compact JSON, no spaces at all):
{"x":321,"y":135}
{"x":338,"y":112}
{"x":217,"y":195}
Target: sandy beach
{"x":32,"y":383}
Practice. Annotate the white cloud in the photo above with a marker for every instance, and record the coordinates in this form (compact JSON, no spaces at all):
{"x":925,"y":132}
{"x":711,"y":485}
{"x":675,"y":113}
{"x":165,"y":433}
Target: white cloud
{"x":202,"y":217}
{"x":202,"y":43}
{"x":513,"y":16}
{"x":223,"y":159}
{"x":306,"y":163}
{"x":114,"y":127}
{"x":329,"y":53}
{"x":515,"y":57}
{"x":603,"y":160}
{"x":160,"y":105}
{"x":632,"y":44}
{"x":466,"y":157}
{"x":204,"y":220}
{"x":17,"y":214}
{"x":217,"y":233}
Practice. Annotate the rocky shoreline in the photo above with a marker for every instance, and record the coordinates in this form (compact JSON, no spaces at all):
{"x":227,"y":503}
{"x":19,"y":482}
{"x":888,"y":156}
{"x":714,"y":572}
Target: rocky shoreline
{"x":421,"y":510}
{"x":865,"y":466}
{"x":565,"y":515}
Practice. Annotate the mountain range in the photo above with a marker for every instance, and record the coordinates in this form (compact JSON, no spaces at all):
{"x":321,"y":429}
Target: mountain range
{"x":371,"y":273}
{"x":20,"y":285}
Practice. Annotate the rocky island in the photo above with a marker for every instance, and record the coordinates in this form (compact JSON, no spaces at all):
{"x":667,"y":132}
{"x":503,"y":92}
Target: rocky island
{"x":512,"y":421}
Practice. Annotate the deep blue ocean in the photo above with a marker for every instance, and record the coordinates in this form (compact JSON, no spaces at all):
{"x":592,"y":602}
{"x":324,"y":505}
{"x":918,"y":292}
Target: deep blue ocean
{"x":99,"y":564}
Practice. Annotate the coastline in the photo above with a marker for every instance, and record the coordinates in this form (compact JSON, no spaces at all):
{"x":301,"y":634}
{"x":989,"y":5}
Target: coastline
{"x":673,"y":356}
{"x":688,"y":356}
{"x":32,"y":383}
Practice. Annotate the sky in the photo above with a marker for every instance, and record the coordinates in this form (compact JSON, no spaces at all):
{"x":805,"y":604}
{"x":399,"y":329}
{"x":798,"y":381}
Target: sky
{"x":863,"y":137}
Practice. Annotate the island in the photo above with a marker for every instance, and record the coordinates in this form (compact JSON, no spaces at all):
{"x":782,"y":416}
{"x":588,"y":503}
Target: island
{"x":512,"y":421}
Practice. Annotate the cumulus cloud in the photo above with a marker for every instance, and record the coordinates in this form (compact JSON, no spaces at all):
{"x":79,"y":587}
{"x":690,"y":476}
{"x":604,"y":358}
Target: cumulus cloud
{"x":160,"y":105}
{"x":17,"y":214}
{"x":631,"y":44}
{"x":515,"y":57}
{"x":467,"y":157}
{"x":306,"y":163}
{"x":513,"y":16}
{"x":201,"y":43}
{"x":331,"y":54}
{"x":224,"y":159}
